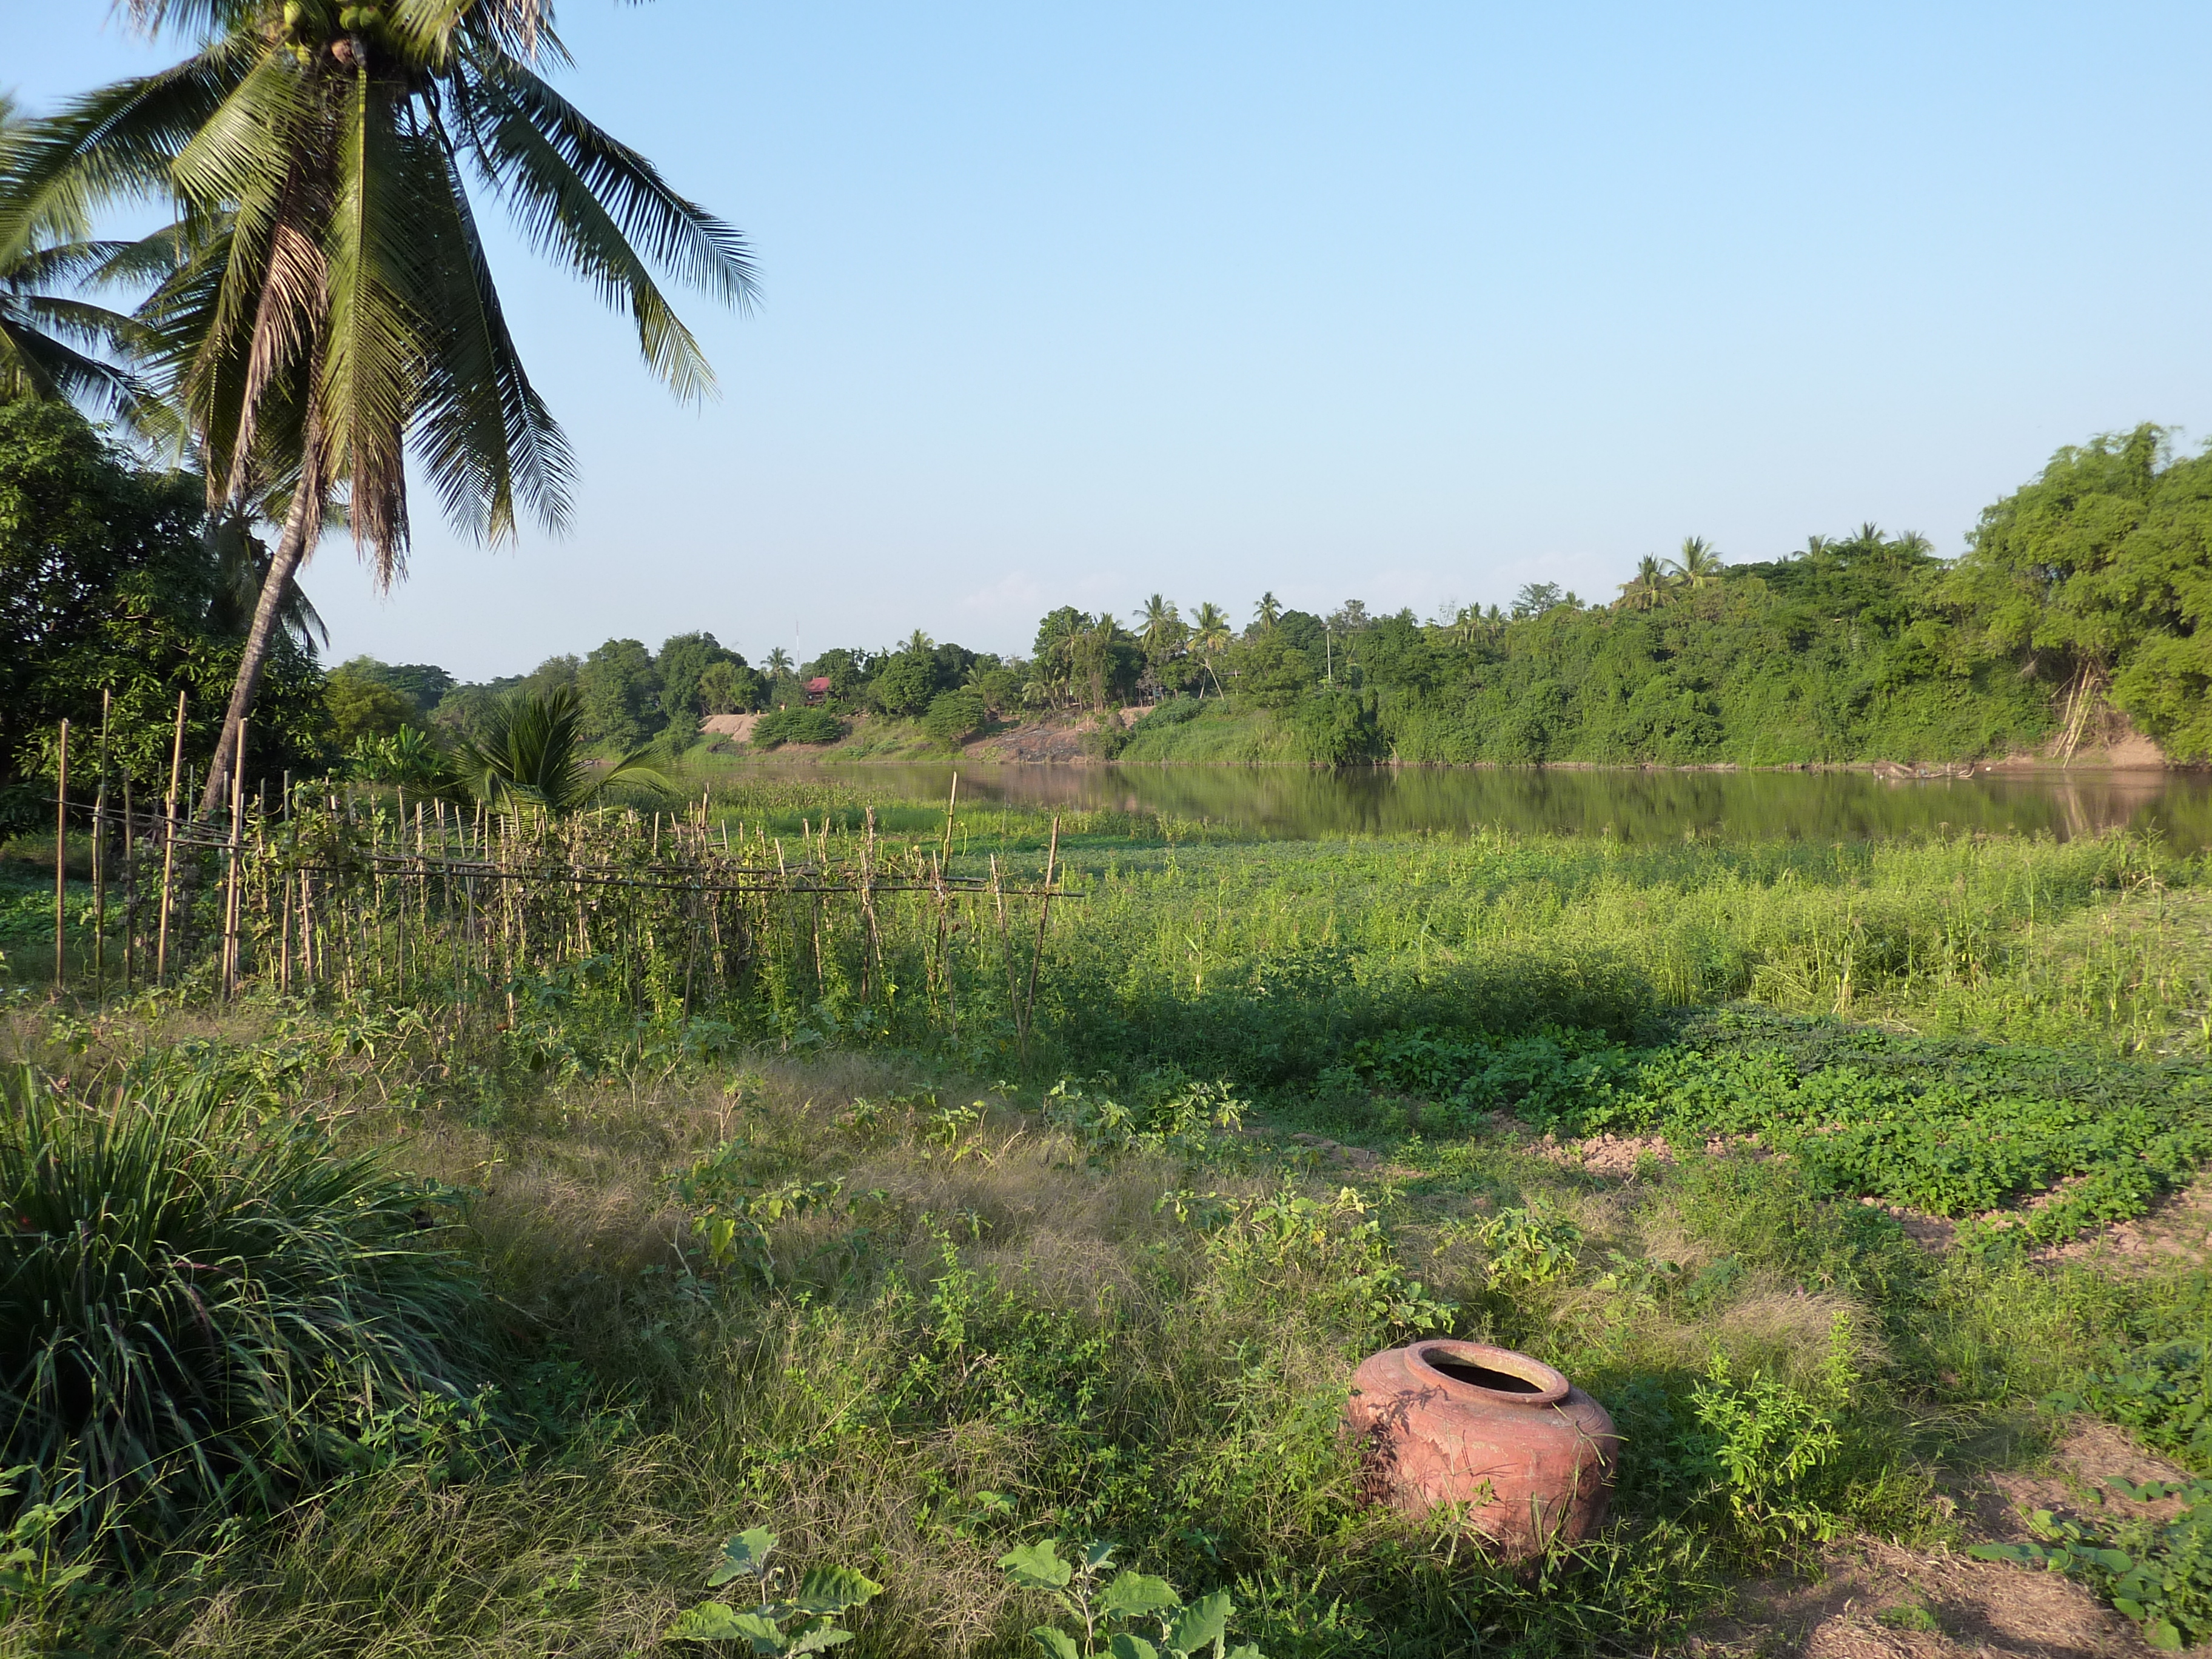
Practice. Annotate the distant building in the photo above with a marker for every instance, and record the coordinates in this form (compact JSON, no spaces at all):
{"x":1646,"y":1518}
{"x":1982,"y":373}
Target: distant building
{"x":818,"y":687}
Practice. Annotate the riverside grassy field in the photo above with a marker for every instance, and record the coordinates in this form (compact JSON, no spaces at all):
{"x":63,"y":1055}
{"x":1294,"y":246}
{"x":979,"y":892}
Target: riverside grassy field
{"x":1815,"y":1164}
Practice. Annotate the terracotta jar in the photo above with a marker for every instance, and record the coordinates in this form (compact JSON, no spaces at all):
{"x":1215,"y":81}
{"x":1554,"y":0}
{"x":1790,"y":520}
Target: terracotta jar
{"x":1531,"y":1456}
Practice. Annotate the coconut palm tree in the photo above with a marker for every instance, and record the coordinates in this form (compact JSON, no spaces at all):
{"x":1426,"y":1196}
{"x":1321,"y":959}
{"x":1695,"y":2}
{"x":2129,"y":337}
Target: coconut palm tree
{"x":336,"y":307}
{"x":1160,"y":625}
{"x":919,"y":643}
{"x":1699,"y":563}
{"x":1266,"y":612}
{"x":532,"y":756}
{"x":1648,"y":589}
{"x":1210,"y":634}
{"x":778,"y":661}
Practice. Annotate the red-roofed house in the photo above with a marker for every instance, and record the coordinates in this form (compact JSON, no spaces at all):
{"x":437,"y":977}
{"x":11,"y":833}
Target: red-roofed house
{"x":818,"y":687}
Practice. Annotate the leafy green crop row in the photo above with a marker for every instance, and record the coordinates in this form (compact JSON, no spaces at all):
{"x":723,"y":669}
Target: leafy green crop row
{"x":1953,"y":1128}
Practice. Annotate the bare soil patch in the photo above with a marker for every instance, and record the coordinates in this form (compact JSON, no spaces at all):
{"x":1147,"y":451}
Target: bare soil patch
{"x":739,"y":728}
{"x":1875,"y":1600}
{"x":1870,"y":1600}
{"x":1060,"y":740}
{"x":2177,"y":1228}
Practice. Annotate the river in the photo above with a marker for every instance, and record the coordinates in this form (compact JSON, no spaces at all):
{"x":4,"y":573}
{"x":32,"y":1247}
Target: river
{"x":1633,"y":805}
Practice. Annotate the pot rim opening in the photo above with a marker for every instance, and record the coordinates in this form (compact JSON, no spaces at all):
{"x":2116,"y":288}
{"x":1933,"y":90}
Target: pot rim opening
{"x":1550,"y":1385}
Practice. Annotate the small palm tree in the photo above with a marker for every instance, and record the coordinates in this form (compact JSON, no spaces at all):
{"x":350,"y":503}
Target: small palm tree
{"x":778,"y":662}
{"x":1699,"y":564}
{"x":1647,"y":590}
{"x":1210,"y":633}
{"x":1266,"y":611}
{"x":919,"y":643}
{"x":532,"y":756}
{"x":1160,"y":625}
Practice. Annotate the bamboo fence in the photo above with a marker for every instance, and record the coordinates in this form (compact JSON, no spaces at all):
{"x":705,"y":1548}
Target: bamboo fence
{"x":343,"y":892}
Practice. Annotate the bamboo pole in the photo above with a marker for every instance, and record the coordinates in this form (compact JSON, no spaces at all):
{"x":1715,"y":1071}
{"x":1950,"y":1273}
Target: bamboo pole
{"x":307,"y":928}
{"x":1044,"y":915}
{"x":61,"y":854}
{"x":169,"y":845}
{"x":1006,"y":956}
{"x":130,"y":886}
{"x":236,"y":874}
{"x":269,"y":902}
{"x":99,"y":861}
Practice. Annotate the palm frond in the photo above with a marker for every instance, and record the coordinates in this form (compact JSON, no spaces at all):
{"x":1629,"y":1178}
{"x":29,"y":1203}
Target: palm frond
{"x":522,"y":29}
{"x":690,"y":243}
{"x":115,"y":143}
{"x":371,"y":343}
{"x":481,"y":428}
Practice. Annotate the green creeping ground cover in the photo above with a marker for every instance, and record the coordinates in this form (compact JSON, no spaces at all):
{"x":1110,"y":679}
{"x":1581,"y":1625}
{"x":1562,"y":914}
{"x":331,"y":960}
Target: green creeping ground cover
{"x":1953,"y":1128}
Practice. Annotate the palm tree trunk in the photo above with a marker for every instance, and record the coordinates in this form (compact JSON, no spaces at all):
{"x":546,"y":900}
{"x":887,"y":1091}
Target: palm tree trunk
{"x":301,"y":525}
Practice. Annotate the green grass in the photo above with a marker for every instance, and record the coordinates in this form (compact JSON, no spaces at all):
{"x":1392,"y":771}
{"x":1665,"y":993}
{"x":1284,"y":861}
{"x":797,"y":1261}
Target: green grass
{"x":1210,"y":731}
{"x":912,"y":1307}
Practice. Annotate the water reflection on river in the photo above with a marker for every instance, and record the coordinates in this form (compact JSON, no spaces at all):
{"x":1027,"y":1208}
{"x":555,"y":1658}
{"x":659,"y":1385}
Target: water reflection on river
{"x":1634,"y":806}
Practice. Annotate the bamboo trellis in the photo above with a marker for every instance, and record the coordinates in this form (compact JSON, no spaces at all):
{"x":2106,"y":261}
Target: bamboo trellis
{"x":341,"y":892}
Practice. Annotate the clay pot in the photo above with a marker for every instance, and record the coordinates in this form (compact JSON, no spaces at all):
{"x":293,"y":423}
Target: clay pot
{"x":1530,"y":1455}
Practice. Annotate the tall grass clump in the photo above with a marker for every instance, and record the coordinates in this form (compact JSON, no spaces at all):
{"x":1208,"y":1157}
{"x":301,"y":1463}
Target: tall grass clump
{"x":199,"y":1301}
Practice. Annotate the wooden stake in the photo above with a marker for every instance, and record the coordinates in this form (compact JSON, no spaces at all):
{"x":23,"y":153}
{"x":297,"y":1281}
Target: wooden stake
{"x":100,"y":864}
{"x":169,"y":845}
{"x":1044,"y":915}
{"x":61,"y":854}
{"x":231,"y":898}
{"x":130,"y":886}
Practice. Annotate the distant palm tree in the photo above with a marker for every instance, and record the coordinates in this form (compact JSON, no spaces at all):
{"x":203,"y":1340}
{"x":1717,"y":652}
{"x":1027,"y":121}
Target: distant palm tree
{"x":335,"y":309}
{"x":1160,"y":625}
{"x":1266,"y":611}
{"x":778,"y":661}
{"x":1210,"y":634}
{"x":1648,"y":589}
{"x":1700,"y":563}
{"x":531,"y":755}
{"x":919,"y":641}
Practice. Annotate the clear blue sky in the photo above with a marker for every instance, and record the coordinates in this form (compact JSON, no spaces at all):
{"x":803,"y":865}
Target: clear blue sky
{"x":1415,"y":302}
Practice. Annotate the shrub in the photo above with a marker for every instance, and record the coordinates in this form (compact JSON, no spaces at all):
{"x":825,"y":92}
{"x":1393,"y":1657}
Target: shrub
{"x":954,"y":714}
{"x":198,"y":1299}
{"x":784,"y":726}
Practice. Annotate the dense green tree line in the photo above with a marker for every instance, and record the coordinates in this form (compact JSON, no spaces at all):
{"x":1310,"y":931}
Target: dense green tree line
{"x":2079,"y":593}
